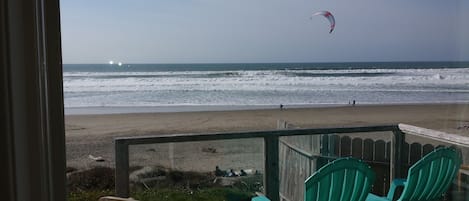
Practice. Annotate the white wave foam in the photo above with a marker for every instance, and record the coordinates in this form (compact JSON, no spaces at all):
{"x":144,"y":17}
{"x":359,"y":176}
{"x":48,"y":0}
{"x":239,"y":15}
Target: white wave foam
{"x":264,"y":87}
{"x":267,"y":80}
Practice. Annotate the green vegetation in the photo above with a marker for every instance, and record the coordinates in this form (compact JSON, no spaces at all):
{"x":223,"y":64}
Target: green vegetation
{"x":211,"y":194}
{"x":90,"y":185}
{"x":89,"y":195}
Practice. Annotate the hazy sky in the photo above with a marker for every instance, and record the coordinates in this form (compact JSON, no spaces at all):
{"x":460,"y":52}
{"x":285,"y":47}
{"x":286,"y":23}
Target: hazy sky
{"x":199,"y":31}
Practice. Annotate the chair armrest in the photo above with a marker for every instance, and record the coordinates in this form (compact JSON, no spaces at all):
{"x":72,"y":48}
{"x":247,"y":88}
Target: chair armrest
{"x":395,"y":183}
{"x":373,"y":197}
{"x":260,"y":198}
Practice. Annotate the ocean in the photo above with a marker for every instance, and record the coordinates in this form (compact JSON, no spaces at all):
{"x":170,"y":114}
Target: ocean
{"x":107,"y":88}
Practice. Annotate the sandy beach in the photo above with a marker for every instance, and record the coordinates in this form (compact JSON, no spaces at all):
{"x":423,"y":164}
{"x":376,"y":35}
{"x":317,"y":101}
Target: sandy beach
{"x":93,"y":134}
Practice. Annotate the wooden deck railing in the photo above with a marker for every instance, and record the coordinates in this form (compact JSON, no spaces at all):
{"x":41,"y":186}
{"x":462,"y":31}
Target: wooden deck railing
{"x":449,"y":138}
{"x":271,"y":152}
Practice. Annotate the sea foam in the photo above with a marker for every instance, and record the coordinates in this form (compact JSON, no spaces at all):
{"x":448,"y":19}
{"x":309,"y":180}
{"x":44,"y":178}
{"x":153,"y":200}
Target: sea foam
{"x":264,"y":87}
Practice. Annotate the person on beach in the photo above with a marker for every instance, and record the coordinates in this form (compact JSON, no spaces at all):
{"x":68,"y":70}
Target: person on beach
{"x":281,"y":106}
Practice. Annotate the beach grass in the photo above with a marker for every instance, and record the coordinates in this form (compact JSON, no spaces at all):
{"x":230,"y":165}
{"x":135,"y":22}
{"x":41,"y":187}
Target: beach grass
{"x":178,"y":185}
{"x":210,"y":194}
{"x":88,"y":195}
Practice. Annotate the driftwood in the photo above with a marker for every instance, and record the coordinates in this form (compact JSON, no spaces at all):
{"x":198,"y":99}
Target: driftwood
{"x":112,"y":198}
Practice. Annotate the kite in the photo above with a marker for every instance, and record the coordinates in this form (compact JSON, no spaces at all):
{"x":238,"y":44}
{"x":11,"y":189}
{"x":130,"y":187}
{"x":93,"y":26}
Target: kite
{"x":329,"y":17}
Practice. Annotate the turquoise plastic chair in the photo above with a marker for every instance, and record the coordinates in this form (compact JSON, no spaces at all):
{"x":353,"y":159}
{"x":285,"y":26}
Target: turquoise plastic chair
{"x":428,"y":179}
{"x":260,"y":198}
{"x":345,"y":179}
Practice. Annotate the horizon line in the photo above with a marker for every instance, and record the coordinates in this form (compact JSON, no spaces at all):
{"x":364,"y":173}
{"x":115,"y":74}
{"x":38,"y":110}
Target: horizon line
{"x":137,"y":63}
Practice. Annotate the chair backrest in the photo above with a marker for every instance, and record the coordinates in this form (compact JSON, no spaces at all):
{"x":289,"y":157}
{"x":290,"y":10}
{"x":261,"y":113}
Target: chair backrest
{"x":346,"y":179}
{"x":432,"y":175}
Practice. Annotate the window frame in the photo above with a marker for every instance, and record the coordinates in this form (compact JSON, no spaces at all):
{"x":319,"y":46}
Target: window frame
{"x":31,"y":105}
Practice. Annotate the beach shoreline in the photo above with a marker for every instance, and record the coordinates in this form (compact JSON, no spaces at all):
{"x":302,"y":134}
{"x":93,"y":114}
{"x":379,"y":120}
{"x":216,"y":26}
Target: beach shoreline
{"x":93,"y":134}
{"x":103,"y":110}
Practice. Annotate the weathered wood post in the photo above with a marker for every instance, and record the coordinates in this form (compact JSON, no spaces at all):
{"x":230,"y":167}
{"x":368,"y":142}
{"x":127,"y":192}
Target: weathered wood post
{"x":271,"y":168}
{"x":122,"y":168}
{"x":397,"y":146}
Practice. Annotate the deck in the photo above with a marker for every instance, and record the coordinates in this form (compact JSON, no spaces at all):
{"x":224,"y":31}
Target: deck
{"x":310,"y":147}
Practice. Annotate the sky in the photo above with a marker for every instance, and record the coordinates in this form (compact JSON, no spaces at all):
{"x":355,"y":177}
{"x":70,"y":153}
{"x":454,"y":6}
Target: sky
{"x":245,"y":31}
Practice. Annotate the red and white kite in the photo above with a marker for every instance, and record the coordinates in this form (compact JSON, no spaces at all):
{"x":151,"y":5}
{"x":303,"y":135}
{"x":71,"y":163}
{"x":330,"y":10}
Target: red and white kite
{"x":329,"y":17}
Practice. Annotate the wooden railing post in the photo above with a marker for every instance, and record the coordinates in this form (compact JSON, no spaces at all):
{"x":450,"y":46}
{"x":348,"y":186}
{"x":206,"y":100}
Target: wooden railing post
{"x":398,"y":140}
{"x":271,"y":168}
{"x":122,"y":168}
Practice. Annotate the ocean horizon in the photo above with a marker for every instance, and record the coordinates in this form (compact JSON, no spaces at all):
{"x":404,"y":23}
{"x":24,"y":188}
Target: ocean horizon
{"x":234,"y":86}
